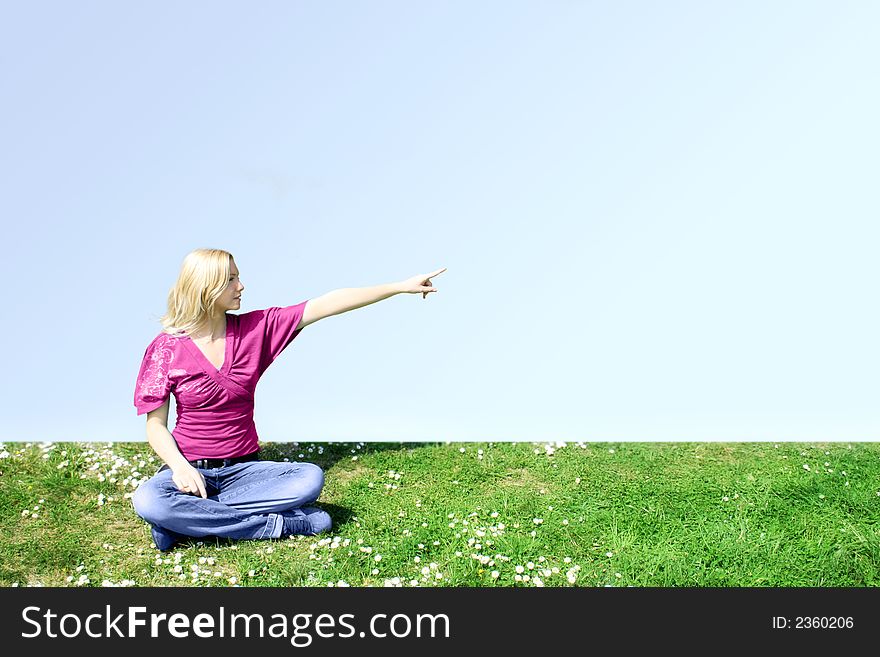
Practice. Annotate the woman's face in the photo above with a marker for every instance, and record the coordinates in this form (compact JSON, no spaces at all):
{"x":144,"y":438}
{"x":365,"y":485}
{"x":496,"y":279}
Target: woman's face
{"x":231,"y":297}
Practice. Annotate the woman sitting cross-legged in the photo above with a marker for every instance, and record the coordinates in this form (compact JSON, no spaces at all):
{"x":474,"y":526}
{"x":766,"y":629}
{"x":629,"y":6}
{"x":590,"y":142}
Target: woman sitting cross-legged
{"x":213,"y":482}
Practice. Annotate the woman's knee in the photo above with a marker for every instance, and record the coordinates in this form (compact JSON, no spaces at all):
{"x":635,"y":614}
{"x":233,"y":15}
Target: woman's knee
{"x":306,"y":484}
{"x":150,"y":502}
{"x":315,"y":477}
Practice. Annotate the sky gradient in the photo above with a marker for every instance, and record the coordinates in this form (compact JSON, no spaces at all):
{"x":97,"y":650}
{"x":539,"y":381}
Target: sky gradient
{"x":660,"y":221}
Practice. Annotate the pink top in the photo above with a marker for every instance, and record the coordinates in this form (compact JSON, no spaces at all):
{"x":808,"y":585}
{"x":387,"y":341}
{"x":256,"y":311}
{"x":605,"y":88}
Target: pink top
{"x":215,"y":408}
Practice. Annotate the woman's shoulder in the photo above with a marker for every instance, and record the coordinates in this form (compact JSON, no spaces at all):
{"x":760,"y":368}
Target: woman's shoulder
{"x":247,"y":321}
{"x":261,"y":315}
{"x":164,"y":339}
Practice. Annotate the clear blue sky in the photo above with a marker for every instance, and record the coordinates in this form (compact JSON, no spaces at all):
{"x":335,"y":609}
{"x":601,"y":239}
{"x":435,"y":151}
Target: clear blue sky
{"x":660,"y":220}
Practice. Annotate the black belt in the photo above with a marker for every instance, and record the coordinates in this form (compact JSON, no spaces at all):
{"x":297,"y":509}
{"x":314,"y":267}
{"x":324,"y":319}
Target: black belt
{"x":222,"y":463}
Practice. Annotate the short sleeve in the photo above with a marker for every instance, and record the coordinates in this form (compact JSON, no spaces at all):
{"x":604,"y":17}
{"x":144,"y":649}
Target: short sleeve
{"x":280,"y":330}
{"x":153,"y":385}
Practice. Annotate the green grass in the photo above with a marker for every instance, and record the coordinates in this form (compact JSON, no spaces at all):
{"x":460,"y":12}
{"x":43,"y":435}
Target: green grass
{"x":621,"y":514}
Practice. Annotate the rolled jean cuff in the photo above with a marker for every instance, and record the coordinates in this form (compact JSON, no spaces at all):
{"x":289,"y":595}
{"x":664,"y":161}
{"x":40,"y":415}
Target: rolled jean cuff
{"x":274,"y":525}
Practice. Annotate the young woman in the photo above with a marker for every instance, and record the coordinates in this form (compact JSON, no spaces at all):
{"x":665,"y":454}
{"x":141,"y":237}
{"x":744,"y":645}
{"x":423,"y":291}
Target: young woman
{"x":213,"y":483}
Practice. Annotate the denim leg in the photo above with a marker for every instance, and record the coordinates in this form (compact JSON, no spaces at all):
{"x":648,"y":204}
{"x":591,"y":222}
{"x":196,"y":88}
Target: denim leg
{"x":159,"y":502}
{"x":244,"y":500}
{"x":269,"y":486}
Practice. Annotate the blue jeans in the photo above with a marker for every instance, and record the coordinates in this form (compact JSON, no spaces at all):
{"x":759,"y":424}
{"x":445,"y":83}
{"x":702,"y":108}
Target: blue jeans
{"x":245,"y":500}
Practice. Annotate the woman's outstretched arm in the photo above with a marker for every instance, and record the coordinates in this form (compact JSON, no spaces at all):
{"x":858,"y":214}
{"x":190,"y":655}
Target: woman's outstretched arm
{"x":350,"y":298}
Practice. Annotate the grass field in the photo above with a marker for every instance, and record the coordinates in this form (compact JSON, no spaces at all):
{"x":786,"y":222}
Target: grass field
{"x":468,"y":514}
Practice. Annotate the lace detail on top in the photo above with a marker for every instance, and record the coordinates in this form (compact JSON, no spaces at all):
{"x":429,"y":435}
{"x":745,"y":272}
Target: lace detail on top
{"x":154,"y":383}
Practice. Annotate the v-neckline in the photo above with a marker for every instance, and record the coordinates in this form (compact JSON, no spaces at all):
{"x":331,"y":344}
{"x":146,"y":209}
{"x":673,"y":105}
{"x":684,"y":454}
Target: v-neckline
{"x":227,"y":352}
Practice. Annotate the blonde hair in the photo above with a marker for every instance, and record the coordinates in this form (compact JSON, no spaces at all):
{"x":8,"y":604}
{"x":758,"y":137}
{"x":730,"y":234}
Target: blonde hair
{"x":203,"y":277}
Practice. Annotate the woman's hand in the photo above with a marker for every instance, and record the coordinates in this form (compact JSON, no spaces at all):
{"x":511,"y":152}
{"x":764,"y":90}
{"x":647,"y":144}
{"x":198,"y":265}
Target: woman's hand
{"x":189,"y":480}
{"x":420,"y":283}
